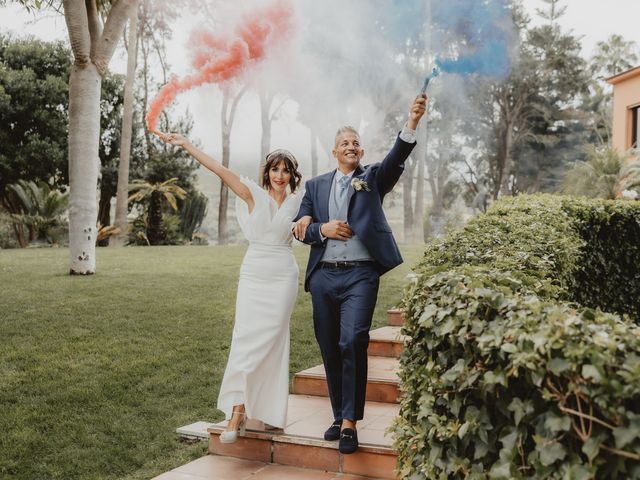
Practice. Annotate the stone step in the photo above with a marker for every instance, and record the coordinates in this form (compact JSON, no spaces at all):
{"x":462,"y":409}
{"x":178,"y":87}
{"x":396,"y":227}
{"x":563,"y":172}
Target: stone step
{"x":382,"y":380}
{"x":395,"y":317}
{"x":215,"y":467}
{"x":386,"y":342}
{"x":301,"y":443}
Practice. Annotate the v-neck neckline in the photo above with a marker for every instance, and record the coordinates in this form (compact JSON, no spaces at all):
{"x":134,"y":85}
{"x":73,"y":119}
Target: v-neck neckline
{"x":278,"y":207}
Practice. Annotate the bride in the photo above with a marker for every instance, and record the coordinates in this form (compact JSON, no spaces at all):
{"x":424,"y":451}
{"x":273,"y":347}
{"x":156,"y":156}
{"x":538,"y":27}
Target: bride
{"x":255,"y":383}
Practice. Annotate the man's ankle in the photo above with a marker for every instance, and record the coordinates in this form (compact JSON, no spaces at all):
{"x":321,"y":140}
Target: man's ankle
{"x":346,"y":423}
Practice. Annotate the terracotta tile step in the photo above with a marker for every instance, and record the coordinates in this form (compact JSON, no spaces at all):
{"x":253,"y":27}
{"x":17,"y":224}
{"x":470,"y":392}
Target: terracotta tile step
{"x":230,"y":468}
{"x":386,"y":342}
{"x":382,"y":382}
{"x":395,"y":317}
{"x":301,"y":443}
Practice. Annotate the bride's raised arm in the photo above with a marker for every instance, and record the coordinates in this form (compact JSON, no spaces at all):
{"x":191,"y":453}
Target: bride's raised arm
{"x":227,"y":176}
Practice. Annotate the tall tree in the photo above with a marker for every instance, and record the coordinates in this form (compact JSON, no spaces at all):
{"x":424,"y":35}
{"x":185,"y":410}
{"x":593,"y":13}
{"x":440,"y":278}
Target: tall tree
{"x":34,"y":104}
{"x":611,"y":57}
{"x":230,"y":101}
{"x":531,"y":113}
{"x":268,"y":113}
{"x":93,"y":46}
{"x":109,"y":147}
{"x":126,"y":135}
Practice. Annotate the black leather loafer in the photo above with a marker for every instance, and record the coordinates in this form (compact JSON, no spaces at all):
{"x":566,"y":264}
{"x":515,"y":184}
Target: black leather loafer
{"x":348,"y":441}
{"x":333,"y":432}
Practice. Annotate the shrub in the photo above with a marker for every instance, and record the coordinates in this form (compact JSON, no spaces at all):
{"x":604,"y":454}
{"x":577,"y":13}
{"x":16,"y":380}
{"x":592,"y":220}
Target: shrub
{"x":36,"y":211}
{"x":7,"y":234}
{"x":192,"y":213}
{"x":508,"y":373}
{"x":564,"y":247}
{"x":608,"y":273}
{"x":173,"y":231}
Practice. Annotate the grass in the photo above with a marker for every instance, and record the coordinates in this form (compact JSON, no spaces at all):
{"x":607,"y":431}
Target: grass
{"x":97,"y":372}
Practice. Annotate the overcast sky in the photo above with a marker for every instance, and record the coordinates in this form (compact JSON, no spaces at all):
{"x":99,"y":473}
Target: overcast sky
{"x":592,"y":20}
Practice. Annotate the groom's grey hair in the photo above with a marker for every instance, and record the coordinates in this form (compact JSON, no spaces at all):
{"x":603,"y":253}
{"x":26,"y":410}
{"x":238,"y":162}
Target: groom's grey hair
{"x":345,"y":129}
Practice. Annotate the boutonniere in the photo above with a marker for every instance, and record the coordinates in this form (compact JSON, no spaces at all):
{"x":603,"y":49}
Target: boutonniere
{"x":359,"y":185}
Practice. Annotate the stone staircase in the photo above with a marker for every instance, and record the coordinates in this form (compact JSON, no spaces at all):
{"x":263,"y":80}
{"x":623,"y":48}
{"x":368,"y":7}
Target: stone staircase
{"x":300,"y":451}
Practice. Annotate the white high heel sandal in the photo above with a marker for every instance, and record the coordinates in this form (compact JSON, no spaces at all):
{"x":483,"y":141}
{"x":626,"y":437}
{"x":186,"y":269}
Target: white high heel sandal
{"x":232,"y":436}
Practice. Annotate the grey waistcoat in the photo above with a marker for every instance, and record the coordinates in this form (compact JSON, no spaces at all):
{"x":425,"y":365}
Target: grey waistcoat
{"x":337,"y":250}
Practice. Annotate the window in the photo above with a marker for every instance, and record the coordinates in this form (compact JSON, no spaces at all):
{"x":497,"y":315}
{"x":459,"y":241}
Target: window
{"x":635,"y":127}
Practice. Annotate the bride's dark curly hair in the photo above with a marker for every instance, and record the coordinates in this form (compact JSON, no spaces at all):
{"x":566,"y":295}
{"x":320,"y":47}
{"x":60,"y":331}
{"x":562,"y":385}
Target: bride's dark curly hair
{"x":290,"y":162}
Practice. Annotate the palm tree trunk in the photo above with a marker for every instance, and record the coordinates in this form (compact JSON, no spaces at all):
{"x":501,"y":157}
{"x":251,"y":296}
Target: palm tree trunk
{"x":418,"y":210}
{"x":407,"y":188}
{"x":505,"y":174}
{"x":314,"y":152}
{"x":156,"y":232}
{"x":224,"y":191}
{"x":84,"y":165}
{"x":265,"y":121}
{"x":92,"y":49}
{"x":228,"y":114}
{"x":223,"y":234}
{"x":125,"y":142}
{"x":104,"y":212}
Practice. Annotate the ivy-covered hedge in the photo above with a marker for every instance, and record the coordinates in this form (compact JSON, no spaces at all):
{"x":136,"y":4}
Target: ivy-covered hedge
{"x":513,"y":368}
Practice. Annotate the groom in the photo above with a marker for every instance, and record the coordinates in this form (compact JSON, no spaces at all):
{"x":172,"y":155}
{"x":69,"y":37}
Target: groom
{"x":351,"y":246}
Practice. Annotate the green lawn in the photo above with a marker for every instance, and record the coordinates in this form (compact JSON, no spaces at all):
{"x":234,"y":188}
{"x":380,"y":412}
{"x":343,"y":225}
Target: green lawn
{"x":97,"y":372}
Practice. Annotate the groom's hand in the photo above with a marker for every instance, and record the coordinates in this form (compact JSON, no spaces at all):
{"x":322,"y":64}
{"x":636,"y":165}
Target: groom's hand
{"x":336,"y":229}
{"x":417,"y":110}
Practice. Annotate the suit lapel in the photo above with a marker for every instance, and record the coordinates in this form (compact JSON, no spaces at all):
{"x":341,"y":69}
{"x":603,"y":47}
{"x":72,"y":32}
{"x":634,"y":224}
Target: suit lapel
{"x":324,"y":190}
{"x":359,"y":171}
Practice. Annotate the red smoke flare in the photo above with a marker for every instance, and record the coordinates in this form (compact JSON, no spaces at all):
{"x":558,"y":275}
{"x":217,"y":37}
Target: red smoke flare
{"x":220,"y":59}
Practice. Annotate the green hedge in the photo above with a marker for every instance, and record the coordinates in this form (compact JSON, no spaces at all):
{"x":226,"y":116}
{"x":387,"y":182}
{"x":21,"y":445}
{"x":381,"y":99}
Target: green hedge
{"x":608,"y":273}
{"x":511,"y":370}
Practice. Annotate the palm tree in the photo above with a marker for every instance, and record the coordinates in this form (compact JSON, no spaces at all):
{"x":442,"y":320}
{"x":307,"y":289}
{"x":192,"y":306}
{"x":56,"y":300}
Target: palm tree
{"x":603,"y":175}
{"x":36,"y":207}
{"x":154,"y":193}
{"x":630,"y":177}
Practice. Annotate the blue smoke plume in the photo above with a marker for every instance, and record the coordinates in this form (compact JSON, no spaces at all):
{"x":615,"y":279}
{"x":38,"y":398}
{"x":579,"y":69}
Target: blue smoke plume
{"x":465,"y":36}
{"x":482,"y":32}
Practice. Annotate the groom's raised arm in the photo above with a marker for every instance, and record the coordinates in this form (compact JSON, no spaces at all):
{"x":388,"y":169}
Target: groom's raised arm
{"x":392,"y":166}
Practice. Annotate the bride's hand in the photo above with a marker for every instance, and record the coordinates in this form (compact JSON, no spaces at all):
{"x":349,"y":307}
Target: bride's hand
{"x":300,"y":228}
{"x":174,"y":139}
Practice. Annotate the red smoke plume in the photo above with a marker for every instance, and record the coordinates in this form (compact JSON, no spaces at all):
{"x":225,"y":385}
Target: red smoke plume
{"x":219,"y":59}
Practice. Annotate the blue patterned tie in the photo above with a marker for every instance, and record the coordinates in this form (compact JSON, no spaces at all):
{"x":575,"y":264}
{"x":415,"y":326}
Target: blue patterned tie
{"x":343,"y":185}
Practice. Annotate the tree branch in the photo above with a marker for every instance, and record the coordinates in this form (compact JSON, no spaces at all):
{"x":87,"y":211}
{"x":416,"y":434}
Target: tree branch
{"x":622,"y":453}
{"x":75,"y":16}
{"x":161,"y":57}
{"x":95,"y":27}
{"x":587,"y":416}
{"x":118,"y":16}
{"x":278,"y":108}
{"x":234,"y":105}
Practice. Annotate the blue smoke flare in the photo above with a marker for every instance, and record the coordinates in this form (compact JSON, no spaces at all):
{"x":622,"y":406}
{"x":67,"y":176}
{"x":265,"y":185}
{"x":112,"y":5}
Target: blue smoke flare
{"x":484,"y":31}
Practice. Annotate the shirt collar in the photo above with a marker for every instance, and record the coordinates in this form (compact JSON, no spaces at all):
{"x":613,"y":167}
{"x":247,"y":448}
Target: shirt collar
{"x":339,"y":175}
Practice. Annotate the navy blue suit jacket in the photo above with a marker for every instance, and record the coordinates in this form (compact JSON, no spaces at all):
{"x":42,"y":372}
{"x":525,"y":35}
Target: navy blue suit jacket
{"x":365,"y":215}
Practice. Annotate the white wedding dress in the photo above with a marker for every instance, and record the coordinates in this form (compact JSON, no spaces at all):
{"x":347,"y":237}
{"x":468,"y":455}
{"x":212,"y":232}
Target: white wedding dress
{"x":257,"y":373}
